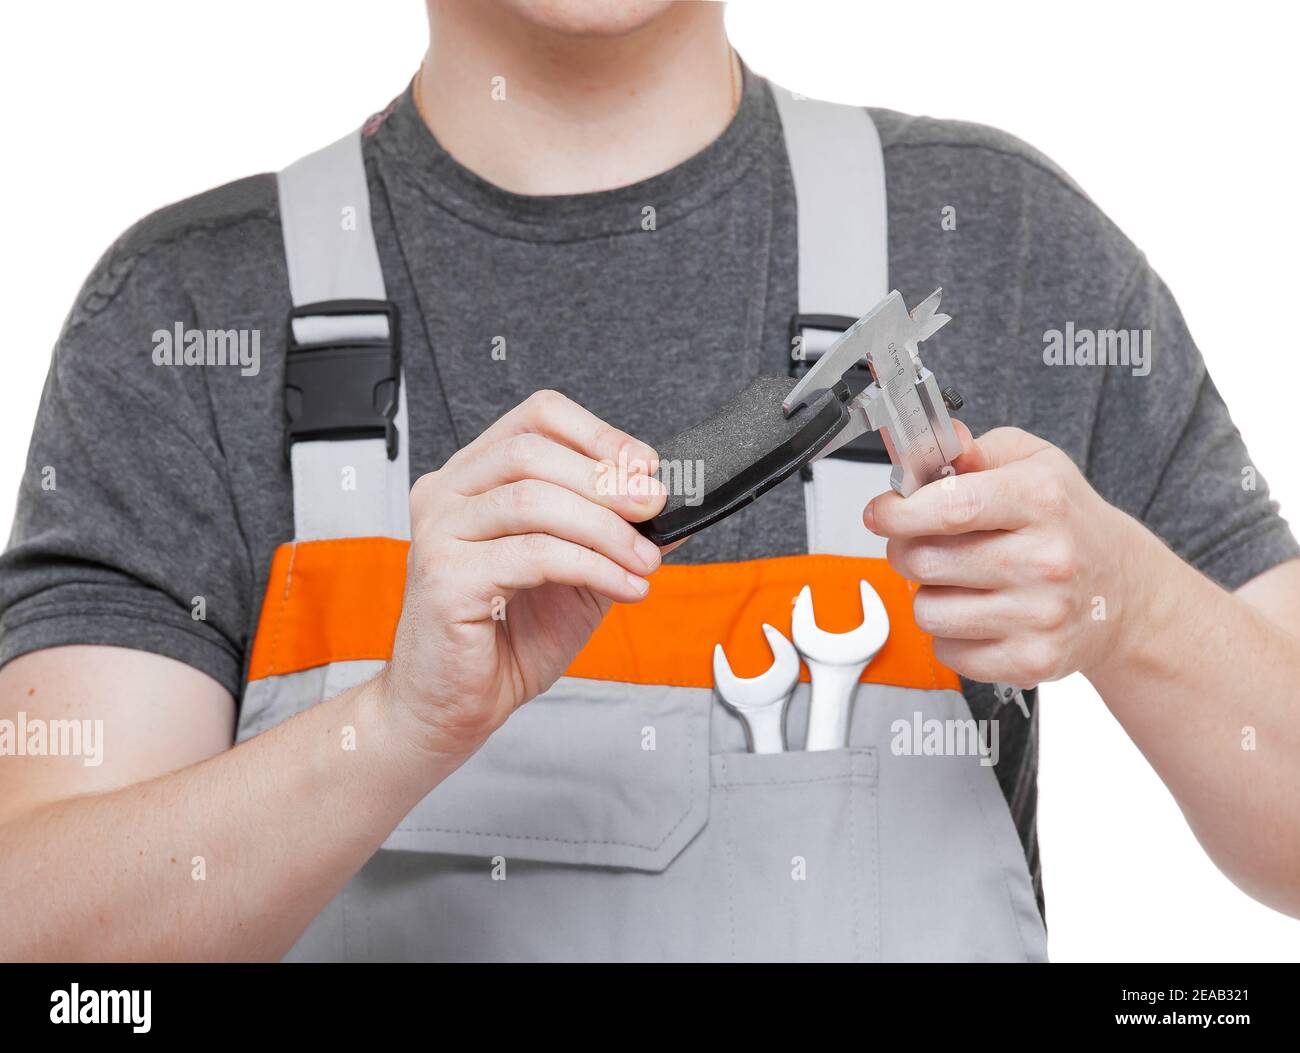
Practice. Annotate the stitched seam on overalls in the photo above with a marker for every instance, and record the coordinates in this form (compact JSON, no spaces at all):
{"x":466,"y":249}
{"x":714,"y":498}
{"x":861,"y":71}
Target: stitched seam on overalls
{"x":928,"y":681}
{"x":1006,"y":884}
{"x":367,"y":655}
{"x":690,"y":807}
{"x":731,"y":874}
{"x":875,"y":875}
{"x":797,"y":782}
{"x":853,"y":852}
{"x":930,"y":663}
{"x":284,"y":603}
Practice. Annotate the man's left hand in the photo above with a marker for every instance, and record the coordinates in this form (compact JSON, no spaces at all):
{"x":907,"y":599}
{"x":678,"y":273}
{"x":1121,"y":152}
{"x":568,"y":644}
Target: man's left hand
{"x":1023,"y":568}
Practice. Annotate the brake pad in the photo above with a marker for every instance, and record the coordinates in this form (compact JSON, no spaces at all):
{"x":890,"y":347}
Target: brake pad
{"x":739,"y":453}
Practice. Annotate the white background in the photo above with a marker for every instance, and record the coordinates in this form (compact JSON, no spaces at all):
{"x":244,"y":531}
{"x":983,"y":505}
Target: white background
{"x":1178,"y":119}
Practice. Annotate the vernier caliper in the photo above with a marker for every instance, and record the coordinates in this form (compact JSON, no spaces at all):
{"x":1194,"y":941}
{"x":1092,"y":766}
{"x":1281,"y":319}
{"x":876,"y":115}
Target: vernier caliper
{"x":772,"y":429}
{"x":903,"y":401}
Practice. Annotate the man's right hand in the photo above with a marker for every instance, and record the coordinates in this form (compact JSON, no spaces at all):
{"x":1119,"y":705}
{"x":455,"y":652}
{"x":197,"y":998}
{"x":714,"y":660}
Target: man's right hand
{"x":520,"y":542}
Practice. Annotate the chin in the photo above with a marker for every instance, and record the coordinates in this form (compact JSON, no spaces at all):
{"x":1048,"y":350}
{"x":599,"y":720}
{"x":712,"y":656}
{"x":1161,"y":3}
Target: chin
{"x":588,"y":18}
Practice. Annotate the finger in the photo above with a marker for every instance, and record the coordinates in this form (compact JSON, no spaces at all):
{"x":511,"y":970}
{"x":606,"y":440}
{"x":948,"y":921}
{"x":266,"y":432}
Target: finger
{"x":964,"y":437}
{"x":528,"y":455}
{"x":964,"y":614}
{"x":560,"y":418}
{"x":674,"y":546}
{"x":986,"y":560}
{"x":996,"y":448}
{"x":525,"y":561}
{"x":960,"y":504}
{"x":986,"y":661}
{"x":531,"y":506}
{"x":970,"y":458}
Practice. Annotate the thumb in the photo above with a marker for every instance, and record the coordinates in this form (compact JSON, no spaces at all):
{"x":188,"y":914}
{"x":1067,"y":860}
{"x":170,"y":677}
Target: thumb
{"x":994,"y":448}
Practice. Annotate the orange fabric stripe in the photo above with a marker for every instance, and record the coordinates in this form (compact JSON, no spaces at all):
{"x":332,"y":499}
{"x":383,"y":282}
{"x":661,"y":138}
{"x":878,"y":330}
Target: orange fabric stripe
{"x":329,"y":601}
{"x":337,"y":600}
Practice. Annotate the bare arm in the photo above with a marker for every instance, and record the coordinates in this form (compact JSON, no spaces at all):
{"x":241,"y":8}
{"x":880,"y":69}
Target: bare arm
{"x":1209,"y":690}
{"x":1027,"y":575}
{"x":98,"y":862}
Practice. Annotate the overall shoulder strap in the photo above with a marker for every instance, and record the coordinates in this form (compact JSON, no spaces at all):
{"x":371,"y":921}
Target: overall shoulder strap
{"x":345,"y":398}
{"x":839,"y":183}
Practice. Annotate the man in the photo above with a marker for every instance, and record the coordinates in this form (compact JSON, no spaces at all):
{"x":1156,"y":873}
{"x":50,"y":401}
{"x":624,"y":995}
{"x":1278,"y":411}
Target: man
{"x":509,"y":190}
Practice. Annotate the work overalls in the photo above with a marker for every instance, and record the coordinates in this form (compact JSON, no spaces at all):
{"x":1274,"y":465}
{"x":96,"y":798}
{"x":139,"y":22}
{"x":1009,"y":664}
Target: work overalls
{"x":618,"y":816}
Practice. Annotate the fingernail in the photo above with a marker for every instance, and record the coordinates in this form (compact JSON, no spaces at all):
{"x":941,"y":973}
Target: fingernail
{"x":638,"y":585}
{"x":647,"y":552}
{"x":644,"y":487}
{"x":869,"y":516}
{"x":640,"y":460}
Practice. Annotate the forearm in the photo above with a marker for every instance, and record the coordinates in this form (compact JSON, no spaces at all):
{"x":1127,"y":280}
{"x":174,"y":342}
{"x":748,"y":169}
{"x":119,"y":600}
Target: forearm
{"x":1206,"y":686}
{"x":230,"y":858}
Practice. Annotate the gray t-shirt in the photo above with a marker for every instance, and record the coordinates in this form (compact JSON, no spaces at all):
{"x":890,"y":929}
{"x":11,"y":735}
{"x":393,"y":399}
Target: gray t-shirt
{"x":171,"y":483}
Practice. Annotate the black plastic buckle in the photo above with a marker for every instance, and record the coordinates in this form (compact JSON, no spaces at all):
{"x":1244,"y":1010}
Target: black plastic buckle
{"x":832,"y":323}
{"x":866,"y":447}
{"x":347,"y":389}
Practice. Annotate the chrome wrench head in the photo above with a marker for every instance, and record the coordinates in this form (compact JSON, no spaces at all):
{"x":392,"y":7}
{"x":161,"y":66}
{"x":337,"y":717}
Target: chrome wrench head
{"x":760,"y":701}
{"x":855,"y":647}
{"x":836,"y":662}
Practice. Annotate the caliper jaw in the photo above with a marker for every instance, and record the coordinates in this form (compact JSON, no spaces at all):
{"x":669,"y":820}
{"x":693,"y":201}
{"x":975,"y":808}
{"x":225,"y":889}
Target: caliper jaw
{"x":907,"y":408}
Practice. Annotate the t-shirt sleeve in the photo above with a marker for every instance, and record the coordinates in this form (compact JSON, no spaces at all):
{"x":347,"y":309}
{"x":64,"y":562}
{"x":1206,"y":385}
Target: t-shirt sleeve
{"x":1166,"y":450}
{"x":125,"y":532}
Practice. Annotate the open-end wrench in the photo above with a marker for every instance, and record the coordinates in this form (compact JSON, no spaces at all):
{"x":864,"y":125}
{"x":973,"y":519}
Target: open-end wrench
{"x":836,"y":661}
{"x":760,"y":701}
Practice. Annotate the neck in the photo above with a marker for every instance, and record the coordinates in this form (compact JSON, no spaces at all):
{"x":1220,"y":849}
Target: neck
{"x":538,"y":112}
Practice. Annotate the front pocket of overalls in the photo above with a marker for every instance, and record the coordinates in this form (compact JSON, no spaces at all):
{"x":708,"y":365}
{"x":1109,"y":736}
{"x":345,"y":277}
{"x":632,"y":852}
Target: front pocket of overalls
{"x":587,"y":773}
{"x":562,"y":839}
{"x":793,"y":836}
{"x":598,"y":827}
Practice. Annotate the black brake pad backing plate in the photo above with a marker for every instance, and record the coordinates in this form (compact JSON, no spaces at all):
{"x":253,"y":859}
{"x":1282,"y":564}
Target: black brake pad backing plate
{"x":742,"y":451}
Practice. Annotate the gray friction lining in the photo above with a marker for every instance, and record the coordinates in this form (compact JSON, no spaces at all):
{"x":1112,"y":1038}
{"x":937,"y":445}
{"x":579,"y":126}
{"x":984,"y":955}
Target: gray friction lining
{"x":743,"y":431}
